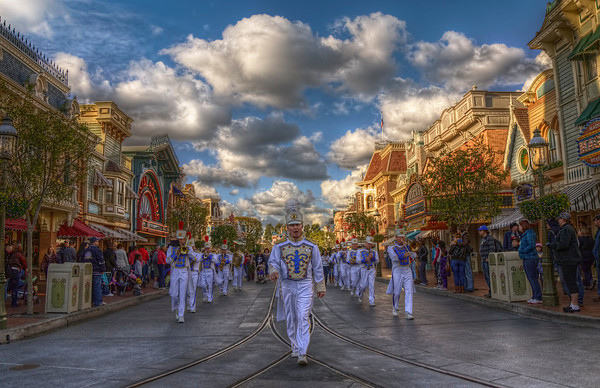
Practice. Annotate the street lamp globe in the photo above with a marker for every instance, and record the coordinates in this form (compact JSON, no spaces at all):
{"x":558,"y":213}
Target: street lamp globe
{"x":538,"y":150}
{"x":376,"y":213}
{"x":8,"y":139}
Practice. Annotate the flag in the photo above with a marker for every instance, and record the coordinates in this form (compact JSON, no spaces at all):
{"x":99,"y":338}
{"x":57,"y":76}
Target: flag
{"x":381,"y":122}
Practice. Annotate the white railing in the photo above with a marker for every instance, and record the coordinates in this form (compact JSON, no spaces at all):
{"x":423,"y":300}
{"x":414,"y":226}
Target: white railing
{"x":578,"y":173}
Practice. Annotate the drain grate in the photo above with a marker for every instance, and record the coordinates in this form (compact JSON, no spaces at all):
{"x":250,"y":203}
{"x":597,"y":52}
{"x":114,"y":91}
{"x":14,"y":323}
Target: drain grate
{"x":24,"y":367}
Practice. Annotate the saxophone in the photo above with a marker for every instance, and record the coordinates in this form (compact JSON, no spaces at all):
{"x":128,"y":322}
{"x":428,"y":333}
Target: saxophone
{"x":222,"y":264}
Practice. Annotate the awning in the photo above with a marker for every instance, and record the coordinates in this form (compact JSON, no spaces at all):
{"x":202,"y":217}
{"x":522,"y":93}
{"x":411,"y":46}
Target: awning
{"x":584,"y":196}
{"x":100,"y":180}
{"x":109,"y":233}
{"x":579,"y":52}
{"x":592,"y":43}
{"x":131,"y":236}
{"x":506,"y":221}
{"x":79,"y":229}
{"x":19,"y":224}
{"x":425,"y":234}
{"x":412,"y":235}
{"x":591,"y":110}
{"x":129,"y":193}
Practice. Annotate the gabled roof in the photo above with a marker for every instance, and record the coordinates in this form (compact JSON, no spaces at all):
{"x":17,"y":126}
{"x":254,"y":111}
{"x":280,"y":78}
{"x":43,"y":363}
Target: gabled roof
{"x":392,"y":161}
{"x":522,"y":118}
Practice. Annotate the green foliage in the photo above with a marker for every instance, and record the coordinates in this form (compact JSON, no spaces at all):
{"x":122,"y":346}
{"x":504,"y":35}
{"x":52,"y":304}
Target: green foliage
{"x":360,"y":224}
{"x":223,"y":232}
{"x":193,"y":213}
{"x":378,"y":238}
{"x":553,"y":165}
{"x":15,"y":207}
{"x":324,"y":239}
{"x":543,"y":208}
{"x":252,"y":231}
{"x":464,"y":185}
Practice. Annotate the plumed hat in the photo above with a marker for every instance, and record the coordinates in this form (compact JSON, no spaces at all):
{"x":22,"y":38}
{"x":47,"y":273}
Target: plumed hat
{"x":293,"y":216}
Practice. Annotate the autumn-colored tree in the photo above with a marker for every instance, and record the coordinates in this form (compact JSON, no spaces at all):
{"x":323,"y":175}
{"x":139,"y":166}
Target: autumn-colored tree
{"x":252,"y":231}
{"x":464,"y":185}
{"x":193,"y":213}
{"x":360,"y":223}
{"x":50,"y":160}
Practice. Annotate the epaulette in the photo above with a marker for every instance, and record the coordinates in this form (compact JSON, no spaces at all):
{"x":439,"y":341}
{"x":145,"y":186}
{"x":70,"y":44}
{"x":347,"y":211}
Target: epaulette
{"x":310,"y":241}
{"x":281,"y":240}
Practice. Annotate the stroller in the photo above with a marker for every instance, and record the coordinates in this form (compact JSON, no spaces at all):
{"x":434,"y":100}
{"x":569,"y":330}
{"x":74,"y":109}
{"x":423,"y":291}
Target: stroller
{"x":260,"y":273}
{"x":122,"y":282}
{"x":22,"y":291}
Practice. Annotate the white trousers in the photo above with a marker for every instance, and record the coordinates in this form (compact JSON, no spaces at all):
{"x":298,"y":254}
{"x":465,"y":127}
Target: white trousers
{"x":178,"y":289}
{"x":238,"y":273}
{"x":206,"y":282}
{"x":367,"y":279}
{"x":354,"y":276}
{"x":336,"y":273}
{"x":192,"y":287}
{"x":224,"y":281}
{"x":297,"y":303}
{"x":402,"y":279}
{"x":345,"y":275}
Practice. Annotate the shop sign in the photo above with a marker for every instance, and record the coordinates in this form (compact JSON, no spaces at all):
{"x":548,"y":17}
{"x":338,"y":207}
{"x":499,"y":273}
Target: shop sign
{"x":523,"y":192}
{"x":588,"y":143}
{"x":415,"y":201}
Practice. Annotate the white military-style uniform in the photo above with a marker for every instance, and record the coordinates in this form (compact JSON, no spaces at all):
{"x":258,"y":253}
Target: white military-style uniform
{"x":353,"y":270}
{"x":207,"y":263}
{"x":238,"y":270}
{"x":368,"y":259}
{"x":298,"y":263}
{"x":178,"y":285}
{"x":344,"y":270}
{"x":223,"y":274}
{"x":193,"y":279}
{"x":400,"y":256}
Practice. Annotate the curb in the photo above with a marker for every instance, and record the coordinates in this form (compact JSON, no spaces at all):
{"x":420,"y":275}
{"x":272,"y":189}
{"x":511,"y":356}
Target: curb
{"x":524,"y":310}
{"x":64,"y":320}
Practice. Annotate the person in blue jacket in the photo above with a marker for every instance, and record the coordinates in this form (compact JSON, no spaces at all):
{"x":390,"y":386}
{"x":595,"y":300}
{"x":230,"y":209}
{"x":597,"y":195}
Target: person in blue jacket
{"x":528,"y":254}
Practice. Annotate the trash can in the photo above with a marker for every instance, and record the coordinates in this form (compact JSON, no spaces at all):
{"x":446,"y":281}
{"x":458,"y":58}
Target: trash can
{"x":62,"y":288}
{"x":519,"y":289}
{"x":475,"y":263}
{"x":498,"y":279}
{"x":85,"y":286}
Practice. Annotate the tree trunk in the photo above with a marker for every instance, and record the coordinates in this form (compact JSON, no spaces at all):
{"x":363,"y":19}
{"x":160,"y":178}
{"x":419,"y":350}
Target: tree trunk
{"x":30,"y":269}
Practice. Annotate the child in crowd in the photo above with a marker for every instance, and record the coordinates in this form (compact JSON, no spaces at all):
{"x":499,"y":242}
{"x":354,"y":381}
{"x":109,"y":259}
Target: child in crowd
{"x":444,"y":266}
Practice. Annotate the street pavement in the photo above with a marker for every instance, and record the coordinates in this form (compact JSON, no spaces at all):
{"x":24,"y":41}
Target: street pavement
{"x":464,"y":339}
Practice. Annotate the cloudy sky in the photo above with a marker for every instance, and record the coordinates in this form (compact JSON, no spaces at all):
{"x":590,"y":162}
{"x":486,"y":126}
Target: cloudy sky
{"x":270,"y":100}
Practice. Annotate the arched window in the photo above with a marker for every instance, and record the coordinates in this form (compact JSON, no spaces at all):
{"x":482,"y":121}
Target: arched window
{"x":370,"y":203}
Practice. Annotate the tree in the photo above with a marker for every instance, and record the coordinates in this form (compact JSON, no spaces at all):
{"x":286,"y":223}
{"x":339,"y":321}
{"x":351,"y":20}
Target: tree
{"x":223,"y":232}
{"x":464,"y":185}
{"x":252,"y":231}
{"x":267,"y":235}
{"x":360,"y":223}
{"x":193,"y":213}
{"x":50,"y":161}
{"x":324,"y":239}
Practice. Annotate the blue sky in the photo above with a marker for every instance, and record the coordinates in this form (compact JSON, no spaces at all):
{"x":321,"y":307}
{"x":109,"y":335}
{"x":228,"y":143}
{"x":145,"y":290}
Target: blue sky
{"x":268,"y":100}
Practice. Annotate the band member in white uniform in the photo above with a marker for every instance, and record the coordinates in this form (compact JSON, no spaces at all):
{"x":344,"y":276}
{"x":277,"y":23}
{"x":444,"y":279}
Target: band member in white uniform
{"x":296,"y":261}
{"x":207,"y":264}
{"x":368,"y":259}
{"x":344,"y":267}
{"x":354,"y":267}
{"x":400,"y":256}
{"x":193,"y":279}
{"x":335,"y":263}
{"x":238,"y":270}
{"x":223,"y":262}
{"x":180,"y":258}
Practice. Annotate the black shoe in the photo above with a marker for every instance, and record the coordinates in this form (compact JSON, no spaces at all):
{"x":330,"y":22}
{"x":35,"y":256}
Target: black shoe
{"x":569,"y":309}
{"x":580,"y":303}
{"x":593,"y":284}
{"x":488,"y":295}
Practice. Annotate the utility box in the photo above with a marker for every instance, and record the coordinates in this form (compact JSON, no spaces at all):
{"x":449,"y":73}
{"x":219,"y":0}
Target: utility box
{"x":62,"y":288}
{"x":498,"y":278}
{"x":519,"y":289}
{"x":85,"y":286}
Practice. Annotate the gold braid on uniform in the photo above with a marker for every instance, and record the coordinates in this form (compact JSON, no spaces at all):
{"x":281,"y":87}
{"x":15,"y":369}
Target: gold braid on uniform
{"x":320,"y":286}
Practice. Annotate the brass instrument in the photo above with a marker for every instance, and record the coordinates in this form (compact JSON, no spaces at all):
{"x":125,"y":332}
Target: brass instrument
{"x":237,"y":260}
{"x":184,"y":249}
{"x":222,"y":264}
{"x":414,"y":246}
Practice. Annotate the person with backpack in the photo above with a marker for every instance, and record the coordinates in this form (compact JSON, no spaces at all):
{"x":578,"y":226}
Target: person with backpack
{"x":16,"y":267}
{"x":93,"y":254}
{"x":528,"y":254}
{"x":458,"y":258}
{"x":487,"y":245}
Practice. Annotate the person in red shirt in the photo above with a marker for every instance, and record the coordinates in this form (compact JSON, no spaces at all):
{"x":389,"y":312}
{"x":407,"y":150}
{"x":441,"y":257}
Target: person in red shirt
{"x":131,"y":255}
{"x":161,"y":262}
{"x":145,"y":258}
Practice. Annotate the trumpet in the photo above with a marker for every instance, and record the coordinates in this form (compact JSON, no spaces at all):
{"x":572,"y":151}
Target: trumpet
{"x":184,"y":249}
{"x":414,"y":246}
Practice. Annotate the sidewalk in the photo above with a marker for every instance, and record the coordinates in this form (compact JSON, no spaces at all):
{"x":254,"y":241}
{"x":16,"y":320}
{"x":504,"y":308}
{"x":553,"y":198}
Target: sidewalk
{"x":21,"y":325}
{"x":589,"y":315}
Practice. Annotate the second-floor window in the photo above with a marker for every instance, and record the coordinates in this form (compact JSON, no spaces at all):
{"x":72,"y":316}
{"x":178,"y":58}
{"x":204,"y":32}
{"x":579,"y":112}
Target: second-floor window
{"x":370,"y":202}
{"x":552,"y":146}
{"x":591,"y":68}
{"x":109,"y":193}
{"x":120,"y":193}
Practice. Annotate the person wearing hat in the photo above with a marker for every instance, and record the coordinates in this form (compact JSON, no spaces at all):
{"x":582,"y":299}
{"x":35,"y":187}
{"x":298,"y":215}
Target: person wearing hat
{"x":509,"y":236}
{"x":528,"y":254}
{"x":181,"y":257}
{"x":400,"y":256}
{"x":344,"y":268}
{"x":224,"y":260}
{"x":486,"y":246}
{"x":238,"y":270}
{"x":296,"y":262}
{"x":93,"y":254}
{"x":335,"y":264}
{"x":568,"y":258}
{"x":368,"y":259}
{"x":354,"y":266}
{"x":596,"y":253}
{"x":208,"y":261}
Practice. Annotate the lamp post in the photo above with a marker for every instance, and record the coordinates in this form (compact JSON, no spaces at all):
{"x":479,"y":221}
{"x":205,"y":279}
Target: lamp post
{"x":378,"y":273}
{"x":8,"y":140}
{"x":538,"y":154}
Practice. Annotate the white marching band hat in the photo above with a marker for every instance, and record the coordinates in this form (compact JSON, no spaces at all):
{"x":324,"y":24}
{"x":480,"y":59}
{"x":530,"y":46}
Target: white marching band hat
{"x":207,"y":243}
{"x":293,"y":216}
{"x":180,"y":234}
{"x":224,"y":246}
{"x":369,"y":240}
{"x":400,"y":233}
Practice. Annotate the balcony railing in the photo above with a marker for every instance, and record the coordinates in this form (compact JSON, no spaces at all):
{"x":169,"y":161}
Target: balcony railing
{"x":578,"y":173}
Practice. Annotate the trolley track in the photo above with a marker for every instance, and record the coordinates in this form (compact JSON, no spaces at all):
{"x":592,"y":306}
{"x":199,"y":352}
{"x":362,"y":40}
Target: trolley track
{"x":214,"y":355}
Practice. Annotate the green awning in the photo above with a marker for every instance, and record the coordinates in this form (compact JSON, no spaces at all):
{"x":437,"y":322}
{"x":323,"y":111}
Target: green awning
{"x":578,"y":52}
{"x":592,"y":44}
{"x":591,"y":110}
